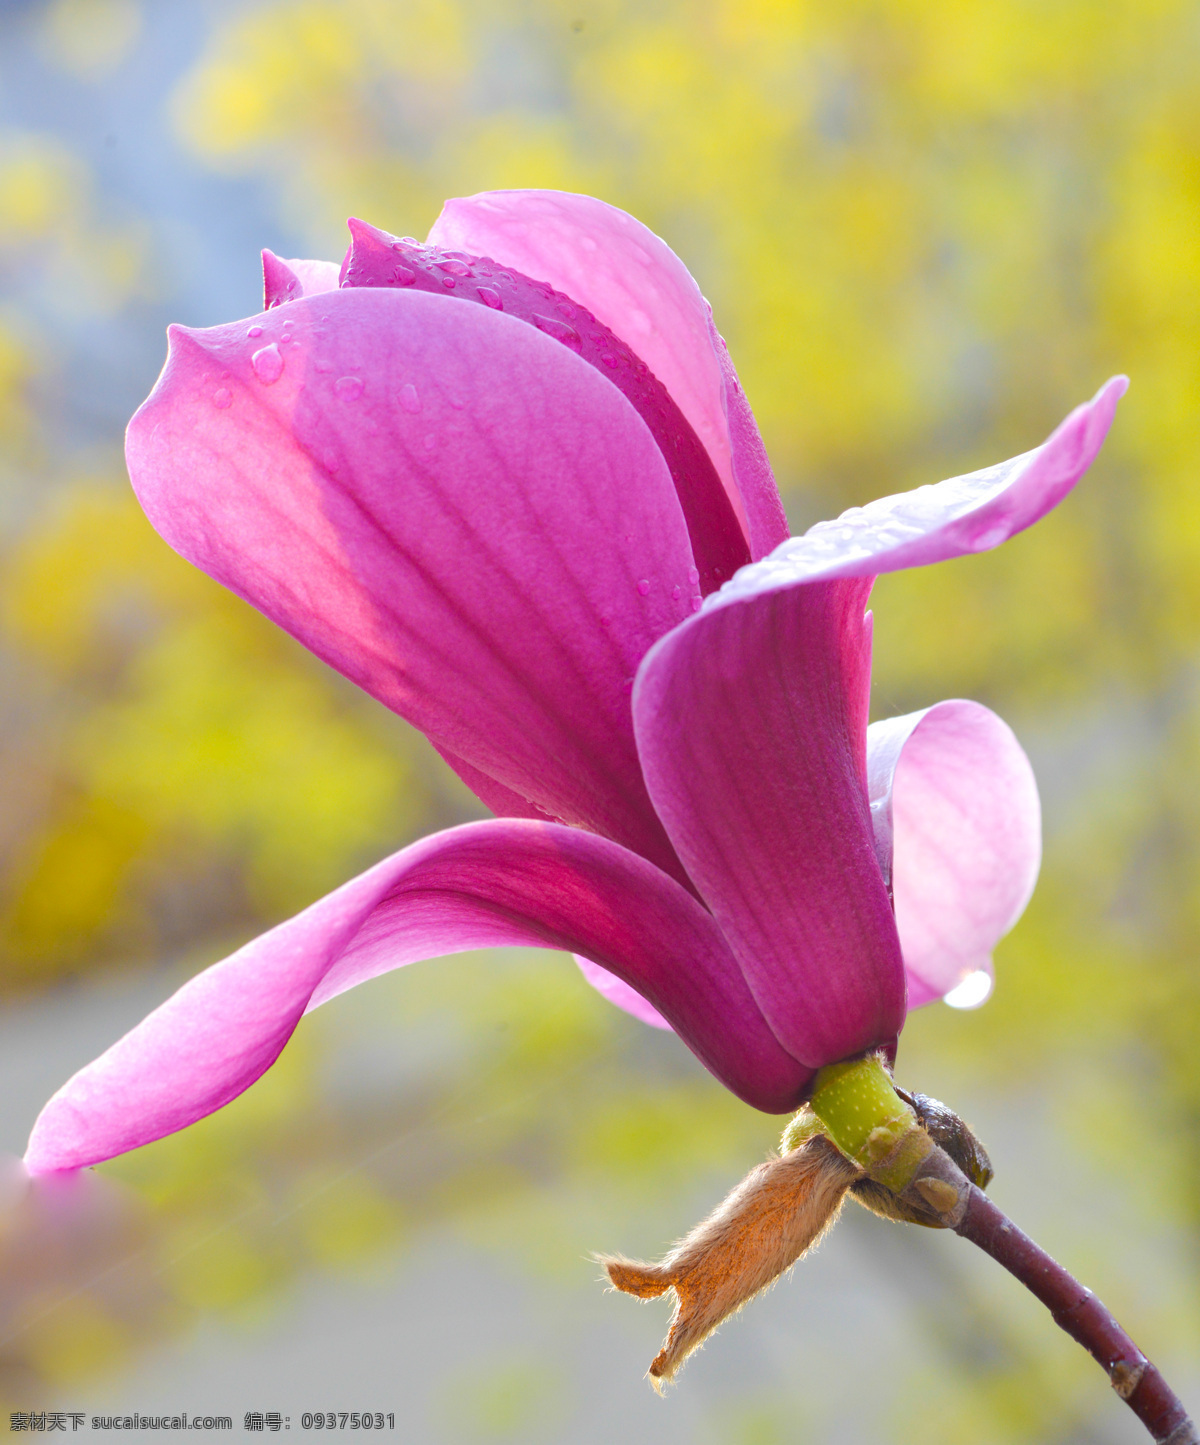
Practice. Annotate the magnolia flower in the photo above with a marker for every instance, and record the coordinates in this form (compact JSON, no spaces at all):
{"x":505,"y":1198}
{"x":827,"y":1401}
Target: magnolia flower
{"x":509,"y":484}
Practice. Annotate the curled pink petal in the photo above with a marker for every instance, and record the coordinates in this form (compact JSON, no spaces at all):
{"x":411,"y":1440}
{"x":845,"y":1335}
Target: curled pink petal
{"x":751,"y":727}
{"x":618,"y":992}
{"x":953,"y":787}
{"x":481,"y":885}
{"x":289,"y":280}
{"x":633,"y":282}
{"x":378,"y":259}
{"x":931,"y":524}
{"x":451,"y":508}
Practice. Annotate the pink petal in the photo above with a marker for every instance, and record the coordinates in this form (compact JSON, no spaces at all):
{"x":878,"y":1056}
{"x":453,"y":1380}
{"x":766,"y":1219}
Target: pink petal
{"x":482,"y":885}
{"x":955,"y":788}
{"x":289,"y":280}
{"x":376,"y":258}
{"x":965,"y":514}
{"x":452,"y":509}
{"x":618,"y":992}
{"x":751,"y":726}
{"x":633,"y":282}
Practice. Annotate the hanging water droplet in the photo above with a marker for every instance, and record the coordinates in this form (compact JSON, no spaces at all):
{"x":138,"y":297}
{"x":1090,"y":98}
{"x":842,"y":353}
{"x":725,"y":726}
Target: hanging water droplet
{"x":644,"y":587}
{"x":491,"y":297}
{"x":348,"y":388}
{"x":409,"y":399}
{"x":254,"y":331}
{"x":560,"y":331}
{"x":222,"y":398}
{"x":268,"y":364}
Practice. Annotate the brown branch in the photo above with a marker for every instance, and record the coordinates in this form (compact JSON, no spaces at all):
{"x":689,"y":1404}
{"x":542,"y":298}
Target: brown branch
{"x":953,"y":1201}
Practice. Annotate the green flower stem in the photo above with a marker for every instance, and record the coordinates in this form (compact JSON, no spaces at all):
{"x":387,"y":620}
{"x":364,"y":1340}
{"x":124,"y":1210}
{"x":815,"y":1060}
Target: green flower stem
{"x":869,"y":1122}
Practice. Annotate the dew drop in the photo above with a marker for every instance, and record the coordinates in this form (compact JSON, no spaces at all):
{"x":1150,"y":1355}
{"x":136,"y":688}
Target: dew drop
{"x":222,"y":398}
{"x":971,"y":991}
{"x":254,"y":331}
{"x":348,"y":388}
{"x":644,"y":587}
{"x":449,"y":282}
{"x":491,"y":297}
{"x":697,"y":603}
{"x":560,"y":331}
{"x":267,"y":364}
{"x":409,"y":399}
{"x":565,"y":309}
{"x":456,"y":268}
{"x":693,"y":576}
{"x":402,"y":276}
{"x":676,"y":593}
{"x":609,"y":359}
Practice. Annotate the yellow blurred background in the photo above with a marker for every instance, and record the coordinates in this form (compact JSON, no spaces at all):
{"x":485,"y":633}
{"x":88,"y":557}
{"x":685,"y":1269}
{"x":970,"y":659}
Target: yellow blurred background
{"x":927,"y":231}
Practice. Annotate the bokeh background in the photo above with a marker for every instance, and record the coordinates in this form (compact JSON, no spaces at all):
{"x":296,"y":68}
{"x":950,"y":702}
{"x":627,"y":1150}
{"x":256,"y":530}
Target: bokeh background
{"x":927,"y":231}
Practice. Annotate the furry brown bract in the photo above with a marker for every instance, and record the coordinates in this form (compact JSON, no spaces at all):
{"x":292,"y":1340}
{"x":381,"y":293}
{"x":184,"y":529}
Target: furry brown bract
{"x":780,"y":1210}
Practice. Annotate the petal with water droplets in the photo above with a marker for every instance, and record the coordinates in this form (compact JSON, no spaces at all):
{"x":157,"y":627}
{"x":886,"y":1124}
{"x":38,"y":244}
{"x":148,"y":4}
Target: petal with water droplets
{"x":972,"y":513}
{"x":636,"y":285}
{"x":487,"y":590}
{"x":958,"y":830}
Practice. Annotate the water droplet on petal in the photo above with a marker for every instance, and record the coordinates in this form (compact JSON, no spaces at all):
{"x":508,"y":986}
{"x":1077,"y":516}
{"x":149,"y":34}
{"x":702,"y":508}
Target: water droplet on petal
{"x":693,"y":576}
{"x":697,"y":603}
{"x":254,"y":331}
{"x":402,"y":276}
{"x":267,"y":364}
{"x":409,"y":399}
{"x":609,"y":359}
{"x":348,"y":388}
{"x":491,"y":297}
{"x":456,"y":268}
{"x":676,"y":593}
{"x":449,"y":282}
{"x":972,"y":991}
{"x":644,"y":587}
{"x":222,"y":397}
{"x":560,"y":331}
